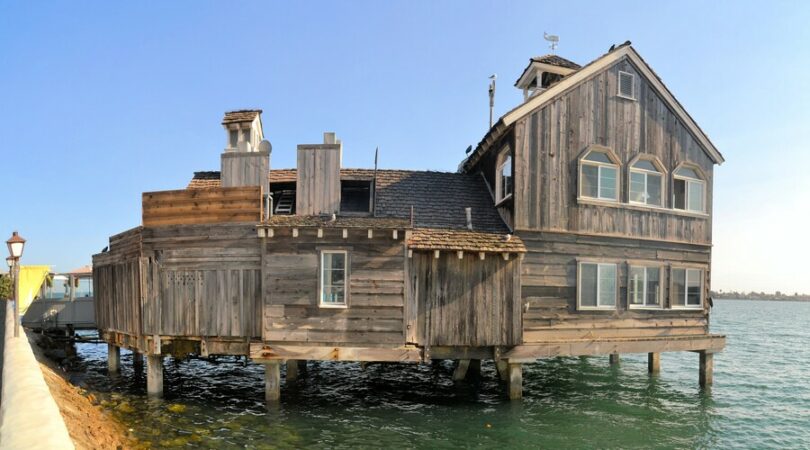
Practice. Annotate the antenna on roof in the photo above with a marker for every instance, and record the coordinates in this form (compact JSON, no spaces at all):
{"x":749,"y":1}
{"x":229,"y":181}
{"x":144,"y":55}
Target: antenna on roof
{"x":492,"y":77}
{"x":553,"y":38}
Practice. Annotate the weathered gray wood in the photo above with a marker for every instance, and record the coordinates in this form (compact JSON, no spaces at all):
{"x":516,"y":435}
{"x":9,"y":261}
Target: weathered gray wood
{"x":502,"y":366}
{"x":318,"y":179}
{"x":154,"y":375}
{"x":654,"y":363}
{"x":460,"y":371}
{"x":113,"y":358}
{"x":292,"y":366}
{"x":272,"y":381}
{"x":515,"y":383}
{"x":244,"y":168}
{"x":706,"y":368}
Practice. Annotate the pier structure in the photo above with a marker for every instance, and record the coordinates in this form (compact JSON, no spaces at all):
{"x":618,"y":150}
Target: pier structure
{"x":580,"y":225}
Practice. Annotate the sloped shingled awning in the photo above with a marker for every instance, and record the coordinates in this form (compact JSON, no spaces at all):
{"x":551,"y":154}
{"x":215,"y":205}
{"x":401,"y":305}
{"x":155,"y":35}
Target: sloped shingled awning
{"x":464,"y":240}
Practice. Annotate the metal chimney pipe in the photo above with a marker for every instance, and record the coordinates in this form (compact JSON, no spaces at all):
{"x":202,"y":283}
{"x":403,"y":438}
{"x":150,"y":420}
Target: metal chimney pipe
{"x":469,"y":218}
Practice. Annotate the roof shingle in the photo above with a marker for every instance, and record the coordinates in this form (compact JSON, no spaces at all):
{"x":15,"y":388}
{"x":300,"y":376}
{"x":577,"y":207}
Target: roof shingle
{"x":242,"y":115}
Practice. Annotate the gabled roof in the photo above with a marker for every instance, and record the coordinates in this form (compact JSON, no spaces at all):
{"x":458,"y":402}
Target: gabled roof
{"x":572,"y":80}
{"x":555,"y":60}
{"x":239,"y":116}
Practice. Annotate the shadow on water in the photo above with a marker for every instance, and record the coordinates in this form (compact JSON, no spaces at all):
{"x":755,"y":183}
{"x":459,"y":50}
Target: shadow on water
{"x":761,"y":398}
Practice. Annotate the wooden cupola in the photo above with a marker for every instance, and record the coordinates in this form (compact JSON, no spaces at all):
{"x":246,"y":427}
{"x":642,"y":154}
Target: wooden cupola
{"x":246,"y":158}
{"x":542,"y":72}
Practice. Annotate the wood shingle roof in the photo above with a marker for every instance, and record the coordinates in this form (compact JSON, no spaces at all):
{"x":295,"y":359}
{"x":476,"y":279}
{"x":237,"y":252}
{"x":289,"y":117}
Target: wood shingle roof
{"x":242,"y":115}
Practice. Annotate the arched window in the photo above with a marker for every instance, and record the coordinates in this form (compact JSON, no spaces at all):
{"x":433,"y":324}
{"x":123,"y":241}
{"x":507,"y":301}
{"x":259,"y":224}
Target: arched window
{"x":688,"y":190}
{"x":646,"y":182}
{"x":599,"y":175}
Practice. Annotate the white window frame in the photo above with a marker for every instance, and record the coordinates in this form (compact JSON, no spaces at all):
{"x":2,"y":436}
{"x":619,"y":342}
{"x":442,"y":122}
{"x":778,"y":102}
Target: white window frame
{"x":614,"y":165}
{"x":632,"y":84}
{"x":598,"y":307}
{"x":688,"y":182}
{"x":686,"y":270}
{"x":321,"y":284}
{"x":499,"y":196}
{"x":660,"y":268}
{"x":660,"y":173}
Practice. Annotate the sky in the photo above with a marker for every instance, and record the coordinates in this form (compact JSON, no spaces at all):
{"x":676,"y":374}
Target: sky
{"x":101,"y":101}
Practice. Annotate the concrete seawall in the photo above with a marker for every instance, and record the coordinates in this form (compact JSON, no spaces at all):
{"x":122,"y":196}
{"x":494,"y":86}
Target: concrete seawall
{"x":29,"y":416}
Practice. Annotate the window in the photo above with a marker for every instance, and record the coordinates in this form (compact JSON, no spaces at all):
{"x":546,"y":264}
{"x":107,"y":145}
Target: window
{"x":688,"y":193}
{"x":627,"y":85}
{"x":646,"y":183}
{"x":597,"y":286}
{"x":246,"y":135}
{"x":333,"y":278}
{"x":355,"y":197}
{"x":233,"y":137}
{"x":687,"y":288}
{"x":644,"y":287}
{"x":505,"y":181}
{"x":599,"y":176}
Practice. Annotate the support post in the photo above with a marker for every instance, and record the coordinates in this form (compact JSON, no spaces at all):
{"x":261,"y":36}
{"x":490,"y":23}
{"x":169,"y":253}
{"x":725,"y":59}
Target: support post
{"x":515,"y":381}
{"x":706,"y":368}
{"x":154,"y":376}
{"x":137,"y":358}
{"x":461,"y":369}
{"x":474,"y":370}
{"x":503,"y":369}
{"x":654,"y":363}
{"x":293,"y":369}
{"x":272,"y":381}
{"x":113,"y":358}
{"x":614,"y":359}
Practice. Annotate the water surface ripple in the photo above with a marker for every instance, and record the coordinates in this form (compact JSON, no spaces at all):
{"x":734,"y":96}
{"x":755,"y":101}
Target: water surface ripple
{"x":760,"y":399}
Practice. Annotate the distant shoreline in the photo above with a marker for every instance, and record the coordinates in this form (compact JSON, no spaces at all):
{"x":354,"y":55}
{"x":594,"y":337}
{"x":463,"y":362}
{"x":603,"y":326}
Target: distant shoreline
{"x":788,"y":299}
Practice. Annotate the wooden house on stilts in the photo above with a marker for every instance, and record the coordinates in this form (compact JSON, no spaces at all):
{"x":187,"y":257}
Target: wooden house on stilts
{"x":579,"y":225}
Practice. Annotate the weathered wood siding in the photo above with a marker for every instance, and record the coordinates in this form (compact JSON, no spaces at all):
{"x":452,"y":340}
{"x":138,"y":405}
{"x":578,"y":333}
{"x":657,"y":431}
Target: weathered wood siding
{"x":549,"y":288}
{"x":549,"y":140}
{"x":201,"y":206}
{"x":244,"y":168}
{"x":467,"y":302}
{"x":117,"y":284}
{"x":376,"y":297}
{"x":202,"y":280}
{"x":318,"y":179}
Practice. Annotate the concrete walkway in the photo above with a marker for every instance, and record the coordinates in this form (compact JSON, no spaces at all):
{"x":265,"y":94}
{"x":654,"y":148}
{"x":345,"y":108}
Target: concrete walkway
{"x":29,"y":417}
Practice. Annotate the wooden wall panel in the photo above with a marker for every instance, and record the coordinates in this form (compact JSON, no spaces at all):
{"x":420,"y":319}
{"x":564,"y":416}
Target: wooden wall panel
{"x":549,"y":288}
{"x":376,"y":289}
{"x":202,"y":206}
{"x":244,"y":168}
{"x":467,"y":302}
{"x":554,"y":136}
{"x":318,"y":179}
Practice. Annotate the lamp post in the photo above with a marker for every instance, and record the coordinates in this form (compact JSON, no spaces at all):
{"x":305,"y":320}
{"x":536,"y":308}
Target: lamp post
{"x":16,"y":245}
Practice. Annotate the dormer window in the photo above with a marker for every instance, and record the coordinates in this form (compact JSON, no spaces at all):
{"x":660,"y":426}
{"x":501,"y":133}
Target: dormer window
{"x":599,"y":175}
{"x":233,"y":138}
{"x":627,"y":85}
{"x":688,"y":190}
{"x":505,"y":183}
{"x":355,"y":196}
{"x":646,"y":183}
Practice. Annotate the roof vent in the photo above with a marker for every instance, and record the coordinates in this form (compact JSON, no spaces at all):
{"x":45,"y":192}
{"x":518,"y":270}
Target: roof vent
{"x":627,"y":85}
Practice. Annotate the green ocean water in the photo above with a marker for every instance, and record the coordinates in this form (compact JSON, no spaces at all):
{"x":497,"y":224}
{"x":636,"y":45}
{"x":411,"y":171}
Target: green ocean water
{"x":760,"y":399}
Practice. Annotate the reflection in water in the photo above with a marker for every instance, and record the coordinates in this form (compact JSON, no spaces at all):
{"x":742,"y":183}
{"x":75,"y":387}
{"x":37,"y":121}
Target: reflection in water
{"x":569,"y":402}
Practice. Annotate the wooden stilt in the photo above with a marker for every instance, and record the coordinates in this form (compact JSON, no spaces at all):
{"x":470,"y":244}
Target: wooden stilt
{"x":272,"y":382}
{"x":614,"y":359}
{"x":292,"y":370}
{"x":154,"y":376}
{"x":706,"y":369}
{"x":137,"y":358}
{"x":461,"y":369}
{"x":503,"y":369}
{"x":113,"y":358}
{"x":515,"y":383}
{"x":474,"y":370}
{"x":654,"y":363}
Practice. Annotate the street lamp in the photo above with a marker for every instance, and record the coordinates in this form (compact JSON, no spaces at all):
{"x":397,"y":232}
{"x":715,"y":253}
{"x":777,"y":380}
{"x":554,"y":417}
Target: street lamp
{"x":16,"y":245}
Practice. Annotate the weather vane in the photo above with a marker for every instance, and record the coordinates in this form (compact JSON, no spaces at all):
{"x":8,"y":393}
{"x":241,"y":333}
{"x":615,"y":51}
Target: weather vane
{"x":553,"y":38}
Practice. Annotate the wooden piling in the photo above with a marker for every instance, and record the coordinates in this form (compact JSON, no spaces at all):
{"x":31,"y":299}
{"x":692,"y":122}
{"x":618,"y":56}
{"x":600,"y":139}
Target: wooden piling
{"x":474,"y":370}
{"x":113,"y":358}
{"x":502,"y":367}
{"x":137,"y":358}
{"x":654,"y":363}
{"x":272,"y":382}
{"x":706,"y":368}
{"x":154,"y":376}
{"x":461,"y":369}
{"x":515,"y":383}
{"x":614,"y":359}
{"x":293,"y":369}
